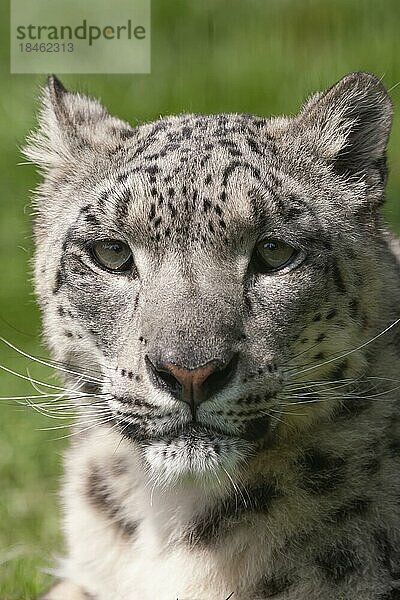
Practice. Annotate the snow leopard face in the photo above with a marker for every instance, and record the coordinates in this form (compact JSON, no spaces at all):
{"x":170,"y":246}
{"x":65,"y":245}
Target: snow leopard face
{"x":203,"y":270}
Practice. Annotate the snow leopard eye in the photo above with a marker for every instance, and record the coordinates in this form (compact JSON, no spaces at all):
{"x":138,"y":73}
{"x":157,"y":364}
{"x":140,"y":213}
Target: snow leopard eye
{"x":113,"y":255}
{"x":274,"y":255}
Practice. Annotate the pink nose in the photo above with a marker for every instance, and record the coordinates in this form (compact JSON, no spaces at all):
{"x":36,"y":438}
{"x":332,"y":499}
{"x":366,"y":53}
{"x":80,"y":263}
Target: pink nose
{"x":192,"y":386}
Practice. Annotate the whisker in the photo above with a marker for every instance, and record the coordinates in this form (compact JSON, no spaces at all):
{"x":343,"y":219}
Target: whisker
{"x":46,"y":363}
{"x":383,"y":378}
{"x":308,"y":349}
{"x":313,"y":401}
{"x":334,"y":385}
{"x":56,"y":407}
{"x":30,"y":379}
{"x":268,"y":414}
{"x":357,"y":394}
{"x":67,"y":365}
{"x":393,"y":87}
{"x":71,"y":416}
{"x":37,"y":409}
{"x":36,"y":387}
{"x":71,"y":402}
{"x":73,"y":433}
{"x":29,"y":397}
{"x":282,"y":412}
{"x":319,"y":382}
{"x":91,"y":418}
{"x":236,"y":488}
{"x":121,"y":431}
{"x":328,"y":397}
{"x":314,"y":388}
{"x":360,"y":347}
{"x":302,"y":352}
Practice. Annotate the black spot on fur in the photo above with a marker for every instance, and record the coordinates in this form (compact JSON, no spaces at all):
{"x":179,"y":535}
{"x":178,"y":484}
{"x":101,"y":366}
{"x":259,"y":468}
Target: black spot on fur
{"x":388,"y":553}
{"x":102,"y":497}
{"x":172,"y":208}
{"x":92,"y":220}
{"x":255,"y":172}
{"x":126,"y":133}
{"x":60,"y":279}
{"x":338,"y":279}
{"x":373,"y":461}
{"x":337,"y":562}
{"x":152,"y":211}
{"x":331,"y":314}
{"x":322,"y":472}
{"x":270,"y":587}
{"x":122,"y":177}
{"x":134,"y":402}
{"x":338,"y":372}
{"x":128,"y":430}
{"x":354,"y":308}
{"x":257,"y":428}
{"x":206,"y":205}
{"x":136,"y":303}
{"x":356,"y":507}
{"x":393,"y":594}
{"x":124,"y":201}
{"x":152,"y":170}
{"x":352,"y":407}
{"x":210,"y":527}
{"x":394,"y":446}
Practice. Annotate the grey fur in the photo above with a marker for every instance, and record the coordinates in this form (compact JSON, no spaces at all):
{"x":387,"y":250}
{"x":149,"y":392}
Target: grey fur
{"x":287,"y":487}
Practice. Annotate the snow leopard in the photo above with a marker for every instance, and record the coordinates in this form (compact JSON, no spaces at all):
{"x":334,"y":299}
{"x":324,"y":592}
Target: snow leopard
{"x":220,"y":294}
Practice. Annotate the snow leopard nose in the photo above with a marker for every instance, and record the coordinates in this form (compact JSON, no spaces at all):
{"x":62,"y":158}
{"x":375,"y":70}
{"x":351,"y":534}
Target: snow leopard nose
{"x":192,"y":386}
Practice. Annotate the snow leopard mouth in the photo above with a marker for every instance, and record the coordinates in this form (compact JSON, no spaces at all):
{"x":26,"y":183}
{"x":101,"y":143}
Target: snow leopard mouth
{"x":189,"y":452}
{"x":195,"y":452}
{"x":256,"y":431}
{"x":193,"y":431}
{"x":135,"y":431}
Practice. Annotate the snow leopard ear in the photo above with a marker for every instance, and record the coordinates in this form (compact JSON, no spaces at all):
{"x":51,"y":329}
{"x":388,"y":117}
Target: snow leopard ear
{"x":349,"y":124}
{"x":70,"y":125}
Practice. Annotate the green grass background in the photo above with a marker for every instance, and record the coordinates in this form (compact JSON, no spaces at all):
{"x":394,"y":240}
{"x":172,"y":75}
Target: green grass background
{"x":217,"y":55}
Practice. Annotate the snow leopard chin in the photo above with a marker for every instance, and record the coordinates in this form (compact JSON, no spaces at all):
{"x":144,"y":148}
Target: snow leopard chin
{"x":196,"y":457}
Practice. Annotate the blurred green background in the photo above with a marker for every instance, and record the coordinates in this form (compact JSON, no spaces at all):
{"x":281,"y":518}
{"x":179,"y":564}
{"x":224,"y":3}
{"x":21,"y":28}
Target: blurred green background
{"x":216,"y":55}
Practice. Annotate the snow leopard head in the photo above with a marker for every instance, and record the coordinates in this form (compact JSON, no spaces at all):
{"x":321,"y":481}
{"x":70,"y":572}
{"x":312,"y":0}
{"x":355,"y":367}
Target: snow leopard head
{"x":203,"y":270}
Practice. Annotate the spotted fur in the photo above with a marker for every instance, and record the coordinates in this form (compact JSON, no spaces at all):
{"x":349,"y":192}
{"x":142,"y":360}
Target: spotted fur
{"x":284,"y":483}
